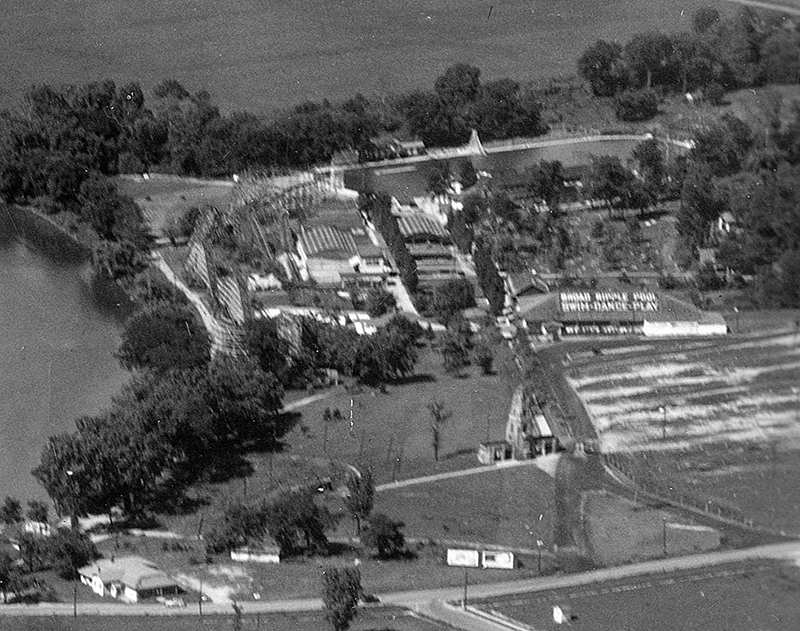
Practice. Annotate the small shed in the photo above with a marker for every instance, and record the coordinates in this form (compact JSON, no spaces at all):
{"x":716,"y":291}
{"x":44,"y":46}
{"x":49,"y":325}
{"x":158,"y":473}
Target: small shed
{"x":495,"y":451}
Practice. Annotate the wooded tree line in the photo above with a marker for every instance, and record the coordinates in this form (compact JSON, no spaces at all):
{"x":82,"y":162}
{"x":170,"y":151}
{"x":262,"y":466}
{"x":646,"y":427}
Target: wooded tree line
{"x":742,"y":50}
{"x":757,"y":181}
{"x":389,"y":354}
{"x":60,"y":136}
{"x":460,"y":102}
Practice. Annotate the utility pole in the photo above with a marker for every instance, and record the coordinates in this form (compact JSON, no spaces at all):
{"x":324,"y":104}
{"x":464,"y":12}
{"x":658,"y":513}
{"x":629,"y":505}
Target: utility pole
{"x":663,"y":411}
{"x":539,"y":544}
{"x":664,"y":536}
{"x":466,"y":583}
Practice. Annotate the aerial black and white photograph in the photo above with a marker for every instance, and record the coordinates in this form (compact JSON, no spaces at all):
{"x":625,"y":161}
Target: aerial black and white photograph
{"x":400,"y":315}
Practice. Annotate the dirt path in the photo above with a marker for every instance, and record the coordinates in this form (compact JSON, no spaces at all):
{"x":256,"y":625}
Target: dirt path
{"x":510,"y":464}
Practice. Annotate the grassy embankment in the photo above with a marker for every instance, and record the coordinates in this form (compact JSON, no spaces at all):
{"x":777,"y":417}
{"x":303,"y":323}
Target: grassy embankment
{"x":736,"y":597}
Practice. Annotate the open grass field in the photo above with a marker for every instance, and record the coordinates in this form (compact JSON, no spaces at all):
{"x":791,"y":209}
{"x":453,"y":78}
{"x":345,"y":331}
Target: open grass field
{"x":370,"y":619}
{"x":621,"y":531}
{"x":259,"y":55}
{"x":511,"y":507}
{"x":741,"y":597}
{"x":391,"y":432}
{"x":163,"y":196}
{"x":718,"y":420}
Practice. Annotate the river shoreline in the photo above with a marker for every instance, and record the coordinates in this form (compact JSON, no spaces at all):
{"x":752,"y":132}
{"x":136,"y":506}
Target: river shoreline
{"x":42,"y":233}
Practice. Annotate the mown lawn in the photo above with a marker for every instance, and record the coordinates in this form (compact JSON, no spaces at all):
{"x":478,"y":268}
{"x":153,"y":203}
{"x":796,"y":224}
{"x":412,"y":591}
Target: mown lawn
{"x":162,"y":197}
{"x":369,"y":619}
{"x":511,"y":507}
{"x":391,"y":432}
{"x":739,"y":597}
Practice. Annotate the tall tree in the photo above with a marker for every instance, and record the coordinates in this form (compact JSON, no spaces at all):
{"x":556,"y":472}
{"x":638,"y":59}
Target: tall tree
{"x":10,"y":578}
{"x":459,"y":85}
{"x":439,"y":415}
{"x":38,"y":511}
{"x":341,"y":591}
{"x":242,"y":398}
{"x":384,"y":535}
{"x":11,"y":510}
{"x":164,"y":336}
{"x":360,"y":496}
{"x":650,"y":158}
{"x":648,"y":57}
{"x":297,"y":523}
{"x":704,"y":18}
{"x":69,"y":551}
{"x":545,"y":182}
{"x":266,"y":346}
{"x":602,"y":66}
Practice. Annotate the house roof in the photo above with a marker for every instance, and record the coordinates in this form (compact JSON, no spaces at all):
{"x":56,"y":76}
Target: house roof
{"x":419,"y":225}
{"x":132,"y":571}
{"x":327,"y":239}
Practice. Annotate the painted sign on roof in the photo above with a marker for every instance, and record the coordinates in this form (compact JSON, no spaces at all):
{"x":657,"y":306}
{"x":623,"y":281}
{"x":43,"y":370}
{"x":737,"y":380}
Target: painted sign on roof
{"x":607,"y":301}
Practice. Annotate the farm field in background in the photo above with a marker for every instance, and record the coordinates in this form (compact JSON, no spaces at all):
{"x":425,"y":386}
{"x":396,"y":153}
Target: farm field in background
{"x":263,"y":55}
{"x":718,"y":420}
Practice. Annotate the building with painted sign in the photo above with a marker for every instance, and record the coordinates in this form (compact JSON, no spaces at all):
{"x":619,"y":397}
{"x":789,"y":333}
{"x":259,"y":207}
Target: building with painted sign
{"x":638,"y":312}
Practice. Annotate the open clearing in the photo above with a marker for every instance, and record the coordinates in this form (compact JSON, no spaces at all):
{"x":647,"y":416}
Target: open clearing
{"x":369,"y":619}
{"x":163,"y":196}
{"x":391,"y":432}
{"x":621,"y":531}
{"x":511,"y":507}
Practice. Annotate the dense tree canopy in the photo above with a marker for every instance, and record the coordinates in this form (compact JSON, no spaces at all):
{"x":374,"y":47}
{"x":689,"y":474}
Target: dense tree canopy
{"x":603,"y":67}
{"x":163,"y":336}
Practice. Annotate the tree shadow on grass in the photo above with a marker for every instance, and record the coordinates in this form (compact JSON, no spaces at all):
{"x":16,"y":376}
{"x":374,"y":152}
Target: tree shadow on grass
{"x":459,"y":452}
{"x":271,"y":442}
{"x":412,"y":380}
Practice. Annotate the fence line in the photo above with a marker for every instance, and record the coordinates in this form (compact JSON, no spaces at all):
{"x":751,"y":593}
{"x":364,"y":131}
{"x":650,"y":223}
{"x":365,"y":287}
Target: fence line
{"x":669,"y":495}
